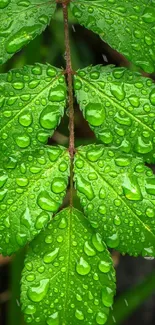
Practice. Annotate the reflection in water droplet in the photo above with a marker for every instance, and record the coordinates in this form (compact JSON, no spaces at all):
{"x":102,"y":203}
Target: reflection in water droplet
{"x":85,"y":188}
{"x":37,"y":293}
{"x":53,"y":319}
{"x":23,"y":141}
{"x":57,"y":94}
{"x":89,"y":250}
{"x":95,"y":114}
{"x":58,"y":185}
{"x":49,"y":117}
{"x":131,"y":188}
{"x":107,"y":296}
{"x":113,"y":241}
{"x":46,"y":202}
{"x":97,"y":242}
{"x":104,"y":266}
{"x":82,"y":267}
{"x":51,"y":256}
{"x":101,"y":318}
{"x":79,"y":315}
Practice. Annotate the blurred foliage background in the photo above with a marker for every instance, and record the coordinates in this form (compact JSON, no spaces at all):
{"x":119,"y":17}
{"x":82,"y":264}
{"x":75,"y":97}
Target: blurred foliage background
{"x":135,"y":299}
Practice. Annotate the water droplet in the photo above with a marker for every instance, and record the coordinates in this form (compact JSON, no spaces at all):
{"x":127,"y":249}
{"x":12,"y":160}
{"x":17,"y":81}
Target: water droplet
{"x":2,"y":194}
{"x":49,"y":117}
{"x":58,"y":185}
{"x":36,"y":70}
{"x":105,"y":136}
{"x":18,"y":85}
{"x":118,"y":92}
{"x":57,"y":94}
{"x":37,"y":293}
{"x":11,"y":162}
{"x":3,"y":178}
{"x":79,"y":163}
{"x":4,"y":3}
{"x":51,"y":256}
{"x":89,"y":250}
{"x":63,"y":223}
{"x":122,"y":120}
{"x":85,"y":187}
{"x":53,"y":319}
{"x":42,"y":220}
{"x":134,"y":101}
{"x":150,"y":186}
{"x":21,"y":38}
{"x":143,"y":146}
{"x":95,"y":114}
{"x":25,"y":119}
{"x":152,"y":97}
{"x":131,"y":188}
{"x":79,"y":315}
{"x":22,"y":181}
{"x":51,"y":72}
{"x":122,"y":161}
{"x":53,"y":153}
{"x":101,"y":318}
{"x":30,"y":277}
{"x":78,"y":84}
{"x":46,"y":202}
{"x":113,"y":241}
{"x":23,"y":141}
{"x":107,"y":296}
{"x":97,"y":242}
{"x":30,"y":310}
{"x":43,"y":19}
{"x":104,"y":266}
{"x":150,"y":212}
{"x":94,"y":75}
{"x":82,"y":267}
{"x":149,"y":15}
{"x":77,"y":12}
{"x":94,"y":154}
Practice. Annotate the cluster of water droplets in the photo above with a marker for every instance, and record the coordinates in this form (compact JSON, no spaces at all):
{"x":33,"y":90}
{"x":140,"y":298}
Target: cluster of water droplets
{"x":21,"y":22}
{"x":32,"y":187}
{"x":127,"y":27}
{"x":120,"y":108}
{"x":117,"y":194}
{"x":68,"y":275}
{"x":32,"y":101}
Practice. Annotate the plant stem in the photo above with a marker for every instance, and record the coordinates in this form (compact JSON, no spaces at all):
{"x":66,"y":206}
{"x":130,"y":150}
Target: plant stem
{"x":69,"y":73}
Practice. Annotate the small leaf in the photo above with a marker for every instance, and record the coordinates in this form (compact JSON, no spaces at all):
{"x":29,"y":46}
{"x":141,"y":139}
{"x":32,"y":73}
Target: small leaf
{"x":21,"y":21}
{"x":119,"y":106}
{"x":117,"y":193}
{"x":68,"y":276}
{"x":32,"y":102}
{"x":126,"y":26}
{"x":32,"y":187}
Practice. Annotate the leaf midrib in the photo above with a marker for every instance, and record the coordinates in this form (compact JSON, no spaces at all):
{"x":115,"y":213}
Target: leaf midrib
{"x":113,"y":190}
{"x":113,"y":102}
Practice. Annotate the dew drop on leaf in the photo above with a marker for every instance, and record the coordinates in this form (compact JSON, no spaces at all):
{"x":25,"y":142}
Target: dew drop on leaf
{"x":95,"y":114}
{"x":37,"y":293}
{"x":82,"y":267}
{"x":46,"y":202}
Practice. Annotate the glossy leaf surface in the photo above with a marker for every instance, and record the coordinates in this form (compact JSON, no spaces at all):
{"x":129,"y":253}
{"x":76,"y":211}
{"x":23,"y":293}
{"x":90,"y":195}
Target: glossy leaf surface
{"x":32,"y":187}
{"x":117,"y":193}
{"x":68,"y":276}
{"x":127,"y":26}
{"x":119,"y":106}
{"x":32,"y":101}
{"x":21,"y":21}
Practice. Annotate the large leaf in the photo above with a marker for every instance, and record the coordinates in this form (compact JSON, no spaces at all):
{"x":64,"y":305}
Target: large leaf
{"x":32,"y":187}
{"x":120,"y":108}
{"x":32,"y":101}
{"x":118,"y":195}
{"x":127,"y":26}
{"x":68,"y":276}
{"x":21,"y":22}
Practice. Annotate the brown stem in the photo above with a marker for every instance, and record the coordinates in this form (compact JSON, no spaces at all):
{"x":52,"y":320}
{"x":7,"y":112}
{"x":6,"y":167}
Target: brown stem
{"x":69,"y":73}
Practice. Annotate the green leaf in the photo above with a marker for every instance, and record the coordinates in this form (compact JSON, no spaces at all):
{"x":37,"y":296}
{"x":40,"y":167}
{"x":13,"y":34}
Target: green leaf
{"x":21,"y":22}
{"x":32,"y":101}
{"x":126,"y":26}
{"x":32,"y":187}
{"x":117,"y":193}
{"x":119,"y":106}
{"x":68,"y":276}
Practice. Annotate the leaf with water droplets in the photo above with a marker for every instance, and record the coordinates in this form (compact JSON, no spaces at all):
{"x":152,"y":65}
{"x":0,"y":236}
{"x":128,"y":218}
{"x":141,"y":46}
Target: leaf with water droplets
{"x":117,"y":193}
{"x":32,"y":188}
{"x":32,"y":102}
{"x":21,"y":21}
{"x":68,"y":274}
{"x":119,"y":106}
{"x":127,"y":26}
